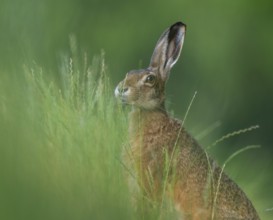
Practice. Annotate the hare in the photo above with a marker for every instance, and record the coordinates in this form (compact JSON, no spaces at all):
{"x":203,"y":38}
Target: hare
{"x":161,"y":150}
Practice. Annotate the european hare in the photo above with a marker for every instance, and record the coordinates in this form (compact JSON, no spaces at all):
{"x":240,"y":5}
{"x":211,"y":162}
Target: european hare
{"x":161,"y":150}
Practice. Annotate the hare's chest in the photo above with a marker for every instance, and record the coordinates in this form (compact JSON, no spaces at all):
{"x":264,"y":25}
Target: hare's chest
{"x":150,"y":148}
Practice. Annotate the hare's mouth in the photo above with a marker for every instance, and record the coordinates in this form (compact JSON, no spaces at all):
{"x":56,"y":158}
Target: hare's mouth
{"x":123,"y":99}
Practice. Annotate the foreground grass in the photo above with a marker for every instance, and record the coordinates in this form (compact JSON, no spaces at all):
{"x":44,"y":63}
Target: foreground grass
{"x":60,"y":147}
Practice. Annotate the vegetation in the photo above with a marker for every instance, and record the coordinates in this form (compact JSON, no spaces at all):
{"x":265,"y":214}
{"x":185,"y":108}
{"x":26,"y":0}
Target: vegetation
{"x":61,"y":131}
{"x":60,"y":146}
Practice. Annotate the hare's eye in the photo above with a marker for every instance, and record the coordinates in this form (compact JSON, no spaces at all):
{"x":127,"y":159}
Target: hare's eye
{"x":150,"y":79}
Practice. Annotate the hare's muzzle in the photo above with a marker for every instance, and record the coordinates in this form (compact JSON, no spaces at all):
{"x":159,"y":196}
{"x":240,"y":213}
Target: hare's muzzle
{"x":121,"y":91}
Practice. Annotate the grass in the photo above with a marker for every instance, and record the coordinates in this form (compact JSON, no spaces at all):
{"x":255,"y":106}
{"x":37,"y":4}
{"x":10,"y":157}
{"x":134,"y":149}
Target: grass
{"x":60,"y":146}
{"x":61,"y":143}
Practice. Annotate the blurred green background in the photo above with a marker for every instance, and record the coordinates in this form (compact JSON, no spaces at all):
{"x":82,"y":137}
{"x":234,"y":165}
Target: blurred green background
{"x":227,"y":58}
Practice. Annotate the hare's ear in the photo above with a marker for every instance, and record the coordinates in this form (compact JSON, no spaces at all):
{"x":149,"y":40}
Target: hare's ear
{"x":168,"y":48}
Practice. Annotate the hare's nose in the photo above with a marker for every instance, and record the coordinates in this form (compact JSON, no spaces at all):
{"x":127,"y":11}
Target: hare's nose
{"x":122,"y":89}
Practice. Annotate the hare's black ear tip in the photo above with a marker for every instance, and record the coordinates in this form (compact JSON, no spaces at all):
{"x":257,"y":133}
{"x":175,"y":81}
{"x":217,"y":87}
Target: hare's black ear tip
{"x":178,"y":24}
{"x":177,"y":29}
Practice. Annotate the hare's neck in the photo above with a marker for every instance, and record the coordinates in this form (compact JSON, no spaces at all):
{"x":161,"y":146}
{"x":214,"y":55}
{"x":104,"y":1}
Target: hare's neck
{"x":141,"y":120}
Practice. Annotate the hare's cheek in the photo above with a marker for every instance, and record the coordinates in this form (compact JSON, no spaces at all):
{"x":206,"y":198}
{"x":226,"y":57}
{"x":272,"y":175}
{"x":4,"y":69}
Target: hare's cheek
{"x":150,"y":94}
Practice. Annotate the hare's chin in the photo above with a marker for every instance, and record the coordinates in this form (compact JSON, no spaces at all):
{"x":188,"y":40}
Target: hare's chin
{"x":122,"y":99}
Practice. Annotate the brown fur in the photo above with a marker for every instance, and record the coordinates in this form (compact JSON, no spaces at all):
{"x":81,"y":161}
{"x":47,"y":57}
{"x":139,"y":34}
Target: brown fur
{"x":162,"y":150}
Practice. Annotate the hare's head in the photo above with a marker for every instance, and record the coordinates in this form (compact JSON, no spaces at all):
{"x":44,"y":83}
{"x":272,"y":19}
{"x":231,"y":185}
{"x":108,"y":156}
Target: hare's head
{"x":144,"y":88}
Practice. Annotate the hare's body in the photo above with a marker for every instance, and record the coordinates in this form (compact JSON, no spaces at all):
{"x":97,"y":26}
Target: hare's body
{"x":162,"y":151}
{"x":193,"y":176}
